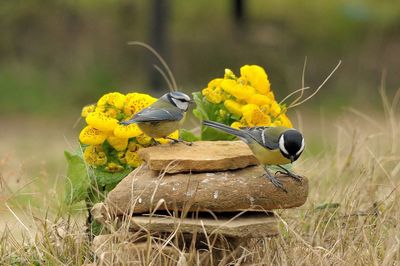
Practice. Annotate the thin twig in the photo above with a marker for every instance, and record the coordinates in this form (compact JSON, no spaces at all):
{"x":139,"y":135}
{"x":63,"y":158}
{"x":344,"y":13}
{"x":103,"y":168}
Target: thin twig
{"x":292,"y":93}
{"x":170,"y":87}
{"x":302,"y":83}
{"x":162,"y":61}
{"x":294,"y":104}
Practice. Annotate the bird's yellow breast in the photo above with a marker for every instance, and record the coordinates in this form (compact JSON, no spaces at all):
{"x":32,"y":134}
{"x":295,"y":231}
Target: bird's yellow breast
{"x":266,"y":156}
{"x":159,"y":129}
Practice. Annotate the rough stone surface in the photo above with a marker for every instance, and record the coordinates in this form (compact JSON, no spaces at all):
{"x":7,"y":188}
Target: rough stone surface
{"x":237,"y":225}
{"x":145,"y":190}
{"x":256,"y":225}
{"x":202,"y":156}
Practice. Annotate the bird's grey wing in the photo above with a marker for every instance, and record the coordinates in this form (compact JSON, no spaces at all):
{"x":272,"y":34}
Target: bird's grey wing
{"x":263,"y":136}
{"x":152,"y":114}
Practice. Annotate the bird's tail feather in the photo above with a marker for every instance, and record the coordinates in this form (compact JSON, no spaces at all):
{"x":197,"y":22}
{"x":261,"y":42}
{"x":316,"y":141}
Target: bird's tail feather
{"x":226,"y":129}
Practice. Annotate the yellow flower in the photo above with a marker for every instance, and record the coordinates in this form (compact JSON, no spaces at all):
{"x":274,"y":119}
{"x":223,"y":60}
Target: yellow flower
{"x":229,"y":74}
{"x":259,"y":99}
{"x":134,"y":102}
{"x":240,"y":91}
{"x":87,"y":110}
{"x":114,"y":167}
{"x":257,"y":78}
{"x":114,"y":99}
{"x":118,"y":144}
{"x":126,"y":132}
{"x":213,"y":95}
{"x":285,"y":121}
{"x":144,"y":140}
{"x":215,"y":83}
{"x":222,"y":113}
{"x":248,"y":97}
{"x":121,"y":157}
{"x":133,"y":159}
{"x":237,"y":125}
{"x":213,"y":92}
{"x":131,"y":156}
{"x":275,"y":108}
{"x":173,"y":135}
{"x":92,"y":136}
{"x":112,"y":112}
{"x":254,"y":116}
{"x":132,"y":146}
{"x":274,"y":124}
{"x":94,"y":155}
{"x":271,"y":95}
{"x":233,"y":107}
{"x":101,"y":121}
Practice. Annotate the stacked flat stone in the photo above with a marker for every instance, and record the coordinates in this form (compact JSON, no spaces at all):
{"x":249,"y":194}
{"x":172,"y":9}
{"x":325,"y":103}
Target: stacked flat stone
{"x":219,"y":177}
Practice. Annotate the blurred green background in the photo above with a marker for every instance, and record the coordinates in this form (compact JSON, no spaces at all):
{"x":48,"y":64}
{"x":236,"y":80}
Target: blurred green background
{"x":59,"y":55}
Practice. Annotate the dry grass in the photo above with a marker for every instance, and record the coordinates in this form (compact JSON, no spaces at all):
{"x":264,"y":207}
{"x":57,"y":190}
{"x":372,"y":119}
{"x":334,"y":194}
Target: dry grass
{"x":350,"y":218}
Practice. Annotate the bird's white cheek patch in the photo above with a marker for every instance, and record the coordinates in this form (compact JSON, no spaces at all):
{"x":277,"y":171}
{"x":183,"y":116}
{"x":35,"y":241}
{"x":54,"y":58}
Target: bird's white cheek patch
{"x":282,"y":145}
{"x":181,"y":105}
{"x":301,"y":148}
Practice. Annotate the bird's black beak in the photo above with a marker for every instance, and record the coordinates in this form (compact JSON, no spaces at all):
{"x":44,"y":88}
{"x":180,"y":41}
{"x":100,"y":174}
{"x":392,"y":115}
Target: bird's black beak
{"x":291,"y":158}
{"x":191,"y":102}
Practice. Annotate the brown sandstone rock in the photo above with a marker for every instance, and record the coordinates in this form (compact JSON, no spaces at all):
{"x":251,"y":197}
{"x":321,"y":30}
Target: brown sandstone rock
{"x":202,"y":156}
{"x":145,"y":190}
{"x":254,"y":225}
{"x":241,"y":225}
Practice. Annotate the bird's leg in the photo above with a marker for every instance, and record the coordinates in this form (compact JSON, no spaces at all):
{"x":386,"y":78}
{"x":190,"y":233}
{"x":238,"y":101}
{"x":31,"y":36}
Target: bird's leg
{"x":273,"y":179}
{"x":156,"y":143}
{"x":287,"y":172}
{"x":179,"y":140}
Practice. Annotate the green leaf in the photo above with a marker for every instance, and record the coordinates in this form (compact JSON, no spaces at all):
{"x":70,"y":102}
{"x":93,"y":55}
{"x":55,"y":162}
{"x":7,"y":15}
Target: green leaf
{"x":103,"y":182}
{"x":200,"y":111}
{"x":109,"y":180}
{"x":78,"y":180}
{"x":208,"y":133}
{"x":96,"y":228}
{"x":206,"y":110}
{"x":186,"y":135}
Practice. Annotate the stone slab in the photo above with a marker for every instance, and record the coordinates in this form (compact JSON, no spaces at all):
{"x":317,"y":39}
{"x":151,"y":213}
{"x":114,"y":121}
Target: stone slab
{"x":145,"y":190}
{"x":201,"y":156}
{"x":256,"y":225}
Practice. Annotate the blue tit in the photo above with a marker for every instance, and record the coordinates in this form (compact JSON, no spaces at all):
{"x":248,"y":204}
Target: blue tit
{"x":270,"y":145}
{"x":164,"y":116}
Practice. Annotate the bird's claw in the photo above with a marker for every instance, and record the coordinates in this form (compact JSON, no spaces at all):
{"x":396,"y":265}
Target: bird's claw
{"x":275,"y":181}
{"x":174,"y":141}
{"x":156,"y":143}
{"x":188,"y":143}
{"x":294,"y":176}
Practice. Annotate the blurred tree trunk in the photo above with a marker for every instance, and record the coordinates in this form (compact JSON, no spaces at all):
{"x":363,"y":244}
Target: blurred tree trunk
{"x":239,"y":10}
{"x":159,"y":13}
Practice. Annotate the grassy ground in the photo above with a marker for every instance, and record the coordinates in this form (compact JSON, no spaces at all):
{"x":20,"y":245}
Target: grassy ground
{"x":351,"y":216}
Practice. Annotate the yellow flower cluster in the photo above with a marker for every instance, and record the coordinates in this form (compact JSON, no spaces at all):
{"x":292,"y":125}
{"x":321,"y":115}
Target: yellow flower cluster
{"x":109,"y":144}
{"x":248,"y":98}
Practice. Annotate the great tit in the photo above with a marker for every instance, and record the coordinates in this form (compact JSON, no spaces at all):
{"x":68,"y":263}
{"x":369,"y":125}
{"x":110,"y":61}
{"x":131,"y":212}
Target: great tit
{"x":162,"y":117}
{"x":270,"y":145}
